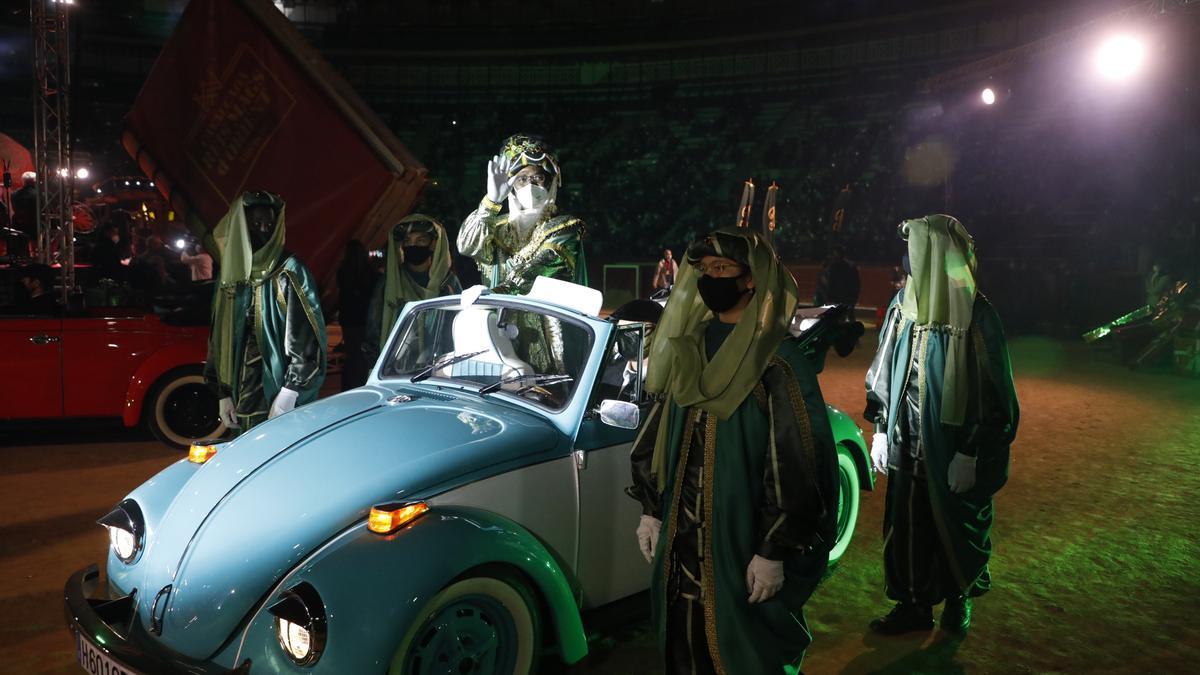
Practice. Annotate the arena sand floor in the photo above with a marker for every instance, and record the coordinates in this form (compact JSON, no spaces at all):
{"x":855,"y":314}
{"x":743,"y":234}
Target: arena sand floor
{"x":1096,"y":565}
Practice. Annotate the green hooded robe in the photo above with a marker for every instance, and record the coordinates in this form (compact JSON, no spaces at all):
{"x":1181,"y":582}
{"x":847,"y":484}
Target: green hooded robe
{"x":770,"y":480}
{"x":398,"y":287}
{"x":272,"y":292}
{"x":956,"y":341}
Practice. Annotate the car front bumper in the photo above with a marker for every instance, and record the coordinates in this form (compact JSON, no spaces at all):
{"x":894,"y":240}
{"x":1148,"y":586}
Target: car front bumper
{"x":111,"y":626}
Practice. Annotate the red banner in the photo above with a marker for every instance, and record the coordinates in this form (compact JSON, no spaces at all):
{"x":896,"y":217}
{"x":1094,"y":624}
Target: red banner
{"x":238,"y":101}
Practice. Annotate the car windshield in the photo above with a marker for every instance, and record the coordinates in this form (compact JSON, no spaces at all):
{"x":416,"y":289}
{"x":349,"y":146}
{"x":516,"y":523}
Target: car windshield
{"x":518,"y":351}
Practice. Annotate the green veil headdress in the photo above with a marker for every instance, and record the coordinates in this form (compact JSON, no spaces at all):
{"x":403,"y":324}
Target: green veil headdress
{"x":399,"y":286}
{"x":678,"y":367}
{"x":940,"y":295}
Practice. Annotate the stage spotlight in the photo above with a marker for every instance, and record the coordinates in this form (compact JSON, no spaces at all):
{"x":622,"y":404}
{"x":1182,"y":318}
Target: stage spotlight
{"x":82,"y":173}
{"x":988,"y":96}
{"x":63,"y":173}
{"x":1120,"y":57}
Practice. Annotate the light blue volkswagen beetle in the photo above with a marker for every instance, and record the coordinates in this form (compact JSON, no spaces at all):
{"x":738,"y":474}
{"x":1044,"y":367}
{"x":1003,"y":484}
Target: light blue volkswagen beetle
{"x":457,"y":514}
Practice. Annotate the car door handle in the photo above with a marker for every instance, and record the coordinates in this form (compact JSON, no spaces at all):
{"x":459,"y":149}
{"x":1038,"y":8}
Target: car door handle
{"x":43,"y":339}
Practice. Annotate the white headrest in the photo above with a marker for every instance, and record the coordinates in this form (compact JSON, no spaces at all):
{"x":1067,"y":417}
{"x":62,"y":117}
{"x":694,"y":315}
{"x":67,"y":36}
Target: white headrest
{"x":580,"y":298}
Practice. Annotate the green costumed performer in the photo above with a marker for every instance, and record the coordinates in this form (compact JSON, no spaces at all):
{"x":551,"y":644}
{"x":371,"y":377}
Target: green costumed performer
{"x":417,"y":268}
{"x":735,"y":466}
{"x":266,"y":349}
{"x":940,"y":394}
{"x":531,"y":240}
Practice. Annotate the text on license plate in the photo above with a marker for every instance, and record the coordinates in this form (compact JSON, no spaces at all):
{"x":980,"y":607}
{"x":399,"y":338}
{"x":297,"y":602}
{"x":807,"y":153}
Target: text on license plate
{"x":95,"y":661}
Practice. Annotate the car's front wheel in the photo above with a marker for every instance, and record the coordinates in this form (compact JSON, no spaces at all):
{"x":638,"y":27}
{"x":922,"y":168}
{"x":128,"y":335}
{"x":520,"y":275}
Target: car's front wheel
{"x":848,"y":493}
{"x":483,"y":625}
{"x":181,"y":409}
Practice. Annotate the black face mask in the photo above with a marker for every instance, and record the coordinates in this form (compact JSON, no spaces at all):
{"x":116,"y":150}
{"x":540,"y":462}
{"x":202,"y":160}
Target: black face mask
{"x":416,"y":255}
{"x":720,"y":294}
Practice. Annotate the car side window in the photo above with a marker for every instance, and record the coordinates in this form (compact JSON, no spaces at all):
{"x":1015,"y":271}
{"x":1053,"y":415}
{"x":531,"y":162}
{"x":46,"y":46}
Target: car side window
{"x":624,"y":372}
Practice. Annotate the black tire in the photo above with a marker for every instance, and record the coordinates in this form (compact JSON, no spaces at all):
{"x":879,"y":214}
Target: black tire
{"x":848,"y":497}
{"x":181,"y":409}
{"x":503,"y":600}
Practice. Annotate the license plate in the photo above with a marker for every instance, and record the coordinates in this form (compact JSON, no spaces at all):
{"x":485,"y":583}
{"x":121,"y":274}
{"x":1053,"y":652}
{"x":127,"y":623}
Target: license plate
{"x":93,"y":659}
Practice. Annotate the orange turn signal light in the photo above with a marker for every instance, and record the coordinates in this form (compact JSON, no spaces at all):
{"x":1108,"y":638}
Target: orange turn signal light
{"x":199,"y":454}
{"x":387,"y":518}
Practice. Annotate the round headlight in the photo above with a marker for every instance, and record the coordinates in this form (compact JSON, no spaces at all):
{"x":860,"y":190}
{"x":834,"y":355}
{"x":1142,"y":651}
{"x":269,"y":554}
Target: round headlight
{"x":126,"y":530}
{"x":300,"y":623}
{"x":123,"y":543}
{"x":295,"y":640}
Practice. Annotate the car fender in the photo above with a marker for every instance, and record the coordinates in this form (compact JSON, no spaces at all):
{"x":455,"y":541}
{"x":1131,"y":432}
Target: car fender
{"x":847,"y":434}
{"x":374,"y":587}
{"x":190,"y":352}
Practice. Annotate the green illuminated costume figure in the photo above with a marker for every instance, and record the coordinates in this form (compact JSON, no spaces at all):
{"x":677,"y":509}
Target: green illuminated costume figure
{"x":735,"y":467}
{"x":417,"y":268}
{"x":940,"y":393}
{"x":266,"y":350}
{"x":530,"y":240}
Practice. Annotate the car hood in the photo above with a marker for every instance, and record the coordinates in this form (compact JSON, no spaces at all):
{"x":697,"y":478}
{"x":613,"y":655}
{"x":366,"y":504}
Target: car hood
{"x":274,"y":495}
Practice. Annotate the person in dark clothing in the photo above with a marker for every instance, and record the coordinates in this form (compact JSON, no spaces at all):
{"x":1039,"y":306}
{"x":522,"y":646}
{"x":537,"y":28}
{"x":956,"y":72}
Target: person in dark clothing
{"x":837,"y":283}
{"x":106,"y":254}
{"x":24,"y":206}
{"x":356,"y":279}
{"x":38,"y":281}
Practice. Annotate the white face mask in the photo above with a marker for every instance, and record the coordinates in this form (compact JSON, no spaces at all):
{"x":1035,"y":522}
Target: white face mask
{"x":532,"y":197}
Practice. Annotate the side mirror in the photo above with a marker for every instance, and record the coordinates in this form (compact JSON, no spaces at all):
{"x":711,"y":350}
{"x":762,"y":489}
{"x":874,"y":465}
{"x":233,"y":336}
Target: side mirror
{"x":620,"y":414}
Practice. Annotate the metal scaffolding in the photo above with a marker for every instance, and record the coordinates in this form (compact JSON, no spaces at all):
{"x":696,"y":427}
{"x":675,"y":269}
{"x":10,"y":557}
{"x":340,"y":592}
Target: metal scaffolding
{"x":52,"y":135}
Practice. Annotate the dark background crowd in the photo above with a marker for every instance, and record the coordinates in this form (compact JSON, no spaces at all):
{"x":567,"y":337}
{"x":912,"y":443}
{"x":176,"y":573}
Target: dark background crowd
{"x":1072,"y":189}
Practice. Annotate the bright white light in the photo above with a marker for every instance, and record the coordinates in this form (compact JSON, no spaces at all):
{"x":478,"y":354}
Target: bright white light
{"x":295,"y":639}
{"x":179,"y":244}
{"x":99,"y":191}
{"x":122,"y":542}
{"x":64,"y":173}
{"x":1120,"y":57}
{"x":988,"y":96}
{"x":82,"y":173}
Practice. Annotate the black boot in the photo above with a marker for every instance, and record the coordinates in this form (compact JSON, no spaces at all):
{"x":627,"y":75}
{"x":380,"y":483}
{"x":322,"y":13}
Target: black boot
{"x":904,"y":618}
{"x":956,"y":615}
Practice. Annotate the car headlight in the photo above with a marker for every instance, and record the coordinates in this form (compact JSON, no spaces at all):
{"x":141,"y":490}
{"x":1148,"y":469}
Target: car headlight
{"x":126,"y":530}
{"x":300,"y":623}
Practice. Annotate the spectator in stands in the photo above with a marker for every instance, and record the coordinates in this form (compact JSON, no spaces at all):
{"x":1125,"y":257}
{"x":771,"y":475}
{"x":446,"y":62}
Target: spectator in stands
{"x":837,"y":283}
{"x":38,"y":281}
{"x":666,"y":271}
{"x":199,"y":262}
{"x":356,"y":278}
{"x":531,"y":240}
{"x":266,"y":349}
{"x":1157,"y":284}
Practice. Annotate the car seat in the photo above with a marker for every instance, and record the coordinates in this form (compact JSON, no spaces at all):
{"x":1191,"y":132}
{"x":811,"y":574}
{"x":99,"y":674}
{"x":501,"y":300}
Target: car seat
{"x":477,"y":329}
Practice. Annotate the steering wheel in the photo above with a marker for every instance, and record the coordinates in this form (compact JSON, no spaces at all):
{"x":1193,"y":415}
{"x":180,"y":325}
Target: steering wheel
{"x":544,"y":395}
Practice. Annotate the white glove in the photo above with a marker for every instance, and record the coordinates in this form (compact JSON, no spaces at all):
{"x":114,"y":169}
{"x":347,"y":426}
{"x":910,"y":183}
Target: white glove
{"x":764,"y":578}
{"x":961,"y":474}
{"x":647,"y":534}
{"x":469,"y":296}
{"x":225,"y":410}
{"x":498,"y":182}
{"x":284,"y":401}
{"x":879,"y":452}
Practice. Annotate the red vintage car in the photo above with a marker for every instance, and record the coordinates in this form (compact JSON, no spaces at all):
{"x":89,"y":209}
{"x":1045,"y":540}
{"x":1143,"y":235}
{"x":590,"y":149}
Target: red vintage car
{"x":109,"y":362}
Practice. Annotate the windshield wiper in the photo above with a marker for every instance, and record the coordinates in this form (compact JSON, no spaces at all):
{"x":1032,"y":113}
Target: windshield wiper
{"x":533,"y":382}
{"x":442,"y":363}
